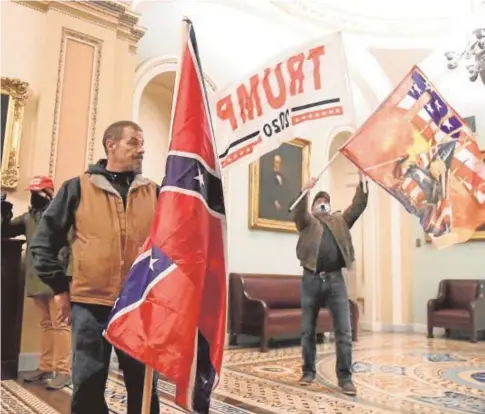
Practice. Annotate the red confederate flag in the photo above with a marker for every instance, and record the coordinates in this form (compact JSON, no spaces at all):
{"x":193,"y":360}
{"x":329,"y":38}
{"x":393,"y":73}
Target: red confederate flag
{"x":171,"y":313}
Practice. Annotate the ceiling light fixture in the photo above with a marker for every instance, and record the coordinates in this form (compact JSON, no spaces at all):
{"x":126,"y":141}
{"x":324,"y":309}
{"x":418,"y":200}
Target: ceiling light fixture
{"x":473,"y":56}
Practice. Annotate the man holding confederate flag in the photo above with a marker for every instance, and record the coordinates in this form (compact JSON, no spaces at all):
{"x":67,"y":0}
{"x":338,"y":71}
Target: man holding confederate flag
{"x":110,"y":209}
{"x":324,"y":248}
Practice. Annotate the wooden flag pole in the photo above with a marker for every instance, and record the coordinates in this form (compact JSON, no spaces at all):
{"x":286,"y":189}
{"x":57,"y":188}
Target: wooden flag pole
{"x":304,"y":192}
{"x":147,"y":390}
{"x":383,"y":164}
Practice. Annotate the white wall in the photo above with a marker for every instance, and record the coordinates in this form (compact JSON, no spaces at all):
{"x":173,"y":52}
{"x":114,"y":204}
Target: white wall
{"x":155,"y":110}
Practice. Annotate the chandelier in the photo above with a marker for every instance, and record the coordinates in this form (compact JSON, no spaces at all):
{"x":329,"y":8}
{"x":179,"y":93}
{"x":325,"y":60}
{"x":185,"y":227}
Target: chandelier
{"x":473,"y":56}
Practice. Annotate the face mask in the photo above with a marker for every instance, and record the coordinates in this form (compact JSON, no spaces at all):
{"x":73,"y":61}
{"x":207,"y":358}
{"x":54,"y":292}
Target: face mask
{"x":322,"y":208}
{"x":38,"y":201}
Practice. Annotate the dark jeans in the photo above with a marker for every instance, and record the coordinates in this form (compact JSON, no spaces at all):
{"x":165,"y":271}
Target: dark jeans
{"x":329,"y":290}
{"x":90,"y":365}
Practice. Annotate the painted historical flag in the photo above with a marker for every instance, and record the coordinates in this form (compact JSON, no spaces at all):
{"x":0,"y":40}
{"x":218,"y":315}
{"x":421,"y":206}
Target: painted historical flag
{"x":282,"y":99}
{"x":420,"y":150}
{"x":171,"y":313}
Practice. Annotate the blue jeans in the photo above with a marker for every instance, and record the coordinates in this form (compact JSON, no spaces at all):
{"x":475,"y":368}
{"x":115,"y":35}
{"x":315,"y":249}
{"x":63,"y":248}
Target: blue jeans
{"x":326,"y":290}
{"x":90,"y":365}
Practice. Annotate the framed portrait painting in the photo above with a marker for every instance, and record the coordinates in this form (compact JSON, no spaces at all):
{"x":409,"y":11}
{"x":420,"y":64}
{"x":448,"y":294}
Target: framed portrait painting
{"x":14,"y":95}
{"x":275,"y":181}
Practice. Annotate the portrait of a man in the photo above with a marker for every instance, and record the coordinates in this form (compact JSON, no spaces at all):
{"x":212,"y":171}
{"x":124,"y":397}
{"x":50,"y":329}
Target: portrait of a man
{"x":276,"y":180}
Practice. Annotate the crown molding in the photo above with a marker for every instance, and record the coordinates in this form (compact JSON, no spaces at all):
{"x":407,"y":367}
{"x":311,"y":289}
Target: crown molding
{"x":115,"y":15}
{"x":339,"y":17}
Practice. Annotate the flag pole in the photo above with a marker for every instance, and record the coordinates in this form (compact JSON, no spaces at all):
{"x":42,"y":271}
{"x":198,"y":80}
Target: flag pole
{"x":147,"y":390}
{"x":304,"y":192}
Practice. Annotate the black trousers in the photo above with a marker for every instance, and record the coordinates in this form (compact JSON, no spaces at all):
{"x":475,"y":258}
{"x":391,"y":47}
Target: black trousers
{"x":329,"y":290}
{"x":90,"y":365}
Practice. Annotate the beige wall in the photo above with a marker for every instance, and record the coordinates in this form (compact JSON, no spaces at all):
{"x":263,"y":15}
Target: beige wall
{"x":81,"y":78}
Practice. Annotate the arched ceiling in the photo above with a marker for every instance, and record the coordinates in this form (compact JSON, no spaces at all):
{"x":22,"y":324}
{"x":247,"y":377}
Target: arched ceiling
{"x":415,"y":18}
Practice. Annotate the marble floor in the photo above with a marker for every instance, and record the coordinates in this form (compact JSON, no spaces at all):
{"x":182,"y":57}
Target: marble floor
{"x":394,"y":373}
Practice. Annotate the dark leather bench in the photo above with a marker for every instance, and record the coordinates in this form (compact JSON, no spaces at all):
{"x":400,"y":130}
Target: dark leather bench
{"x":269,"y":306}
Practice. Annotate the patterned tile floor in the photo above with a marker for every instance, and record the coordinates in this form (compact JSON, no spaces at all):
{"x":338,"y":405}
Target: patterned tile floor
{"x":394,"y":373}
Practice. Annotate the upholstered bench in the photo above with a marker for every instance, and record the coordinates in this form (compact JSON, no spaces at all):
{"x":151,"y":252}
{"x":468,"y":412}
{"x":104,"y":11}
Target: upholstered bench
{"x":268,"y":306}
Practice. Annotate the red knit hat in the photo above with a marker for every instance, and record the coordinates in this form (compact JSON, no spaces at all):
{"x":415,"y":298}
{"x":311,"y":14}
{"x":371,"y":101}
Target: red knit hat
{"x":39,"y":183}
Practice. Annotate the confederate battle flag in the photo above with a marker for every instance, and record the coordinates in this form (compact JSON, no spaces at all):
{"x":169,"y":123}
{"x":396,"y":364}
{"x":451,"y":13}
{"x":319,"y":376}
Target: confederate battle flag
{"x":420,"y":151}
{"x":171,"y":313}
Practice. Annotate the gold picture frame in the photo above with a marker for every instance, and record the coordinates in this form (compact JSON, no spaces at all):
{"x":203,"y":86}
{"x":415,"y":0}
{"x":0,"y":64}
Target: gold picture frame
{"x":480,"y":233}
{"x":269,"y":182}
{"x":14,"y":97}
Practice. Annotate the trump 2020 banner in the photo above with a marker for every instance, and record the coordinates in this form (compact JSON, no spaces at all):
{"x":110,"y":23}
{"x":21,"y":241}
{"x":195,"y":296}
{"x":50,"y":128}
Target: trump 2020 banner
{"x":281,"y":100}
{"x":420,"y":151}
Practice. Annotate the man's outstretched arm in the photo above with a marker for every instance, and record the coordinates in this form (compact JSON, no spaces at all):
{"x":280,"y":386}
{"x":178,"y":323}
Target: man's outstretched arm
{"x":301,"y":216}
{"x":359,"y":203}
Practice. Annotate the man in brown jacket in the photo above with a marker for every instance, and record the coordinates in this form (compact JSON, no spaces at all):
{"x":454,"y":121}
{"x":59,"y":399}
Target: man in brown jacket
{"x":324,"y":248}
{"x":110,"y":209}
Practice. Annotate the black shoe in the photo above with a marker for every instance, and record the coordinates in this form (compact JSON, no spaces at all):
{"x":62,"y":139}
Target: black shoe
{"x":307,"y":378}
{"x":348,"y":388}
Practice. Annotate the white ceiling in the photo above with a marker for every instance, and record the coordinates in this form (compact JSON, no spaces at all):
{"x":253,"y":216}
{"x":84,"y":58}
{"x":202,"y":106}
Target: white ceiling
{"x":414,"y":18}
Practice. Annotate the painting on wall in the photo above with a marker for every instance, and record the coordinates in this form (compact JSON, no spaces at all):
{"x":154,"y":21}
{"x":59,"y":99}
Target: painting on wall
{"x":13,"y":98}
{"x":275,"y":180}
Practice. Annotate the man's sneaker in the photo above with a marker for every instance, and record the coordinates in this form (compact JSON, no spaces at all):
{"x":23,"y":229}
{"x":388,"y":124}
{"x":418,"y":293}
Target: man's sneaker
{"x":37,"y":376}
{"x":307,"y":378}
{"x":348,"y":388}
{"x":58,"y":382}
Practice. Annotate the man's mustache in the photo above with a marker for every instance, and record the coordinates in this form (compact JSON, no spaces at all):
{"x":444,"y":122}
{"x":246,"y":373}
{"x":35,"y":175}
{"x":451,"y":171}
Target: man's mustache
{"x":139,"y":157}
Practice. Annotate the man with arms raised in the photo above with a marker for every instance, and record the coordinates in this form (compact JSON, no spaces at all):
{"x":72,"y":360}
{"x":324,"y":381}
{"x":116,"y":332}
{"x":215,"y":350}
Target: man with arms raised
{"x":110,"y":209}
{"x":324,"y":248}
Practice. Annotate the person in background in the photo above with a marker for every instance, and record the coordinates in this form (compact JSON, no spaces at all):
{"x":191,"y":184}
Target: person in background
{"x":110,"y":210}
{"x":55,"y":338}
{"x":324,"y":248}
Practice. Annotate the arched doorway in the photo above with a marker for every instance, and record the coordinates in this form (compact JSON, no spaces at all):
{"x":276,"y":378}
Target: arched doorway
{"x":343,"y":179}
{"x":154,"y":115}
{"x":152,"y":108}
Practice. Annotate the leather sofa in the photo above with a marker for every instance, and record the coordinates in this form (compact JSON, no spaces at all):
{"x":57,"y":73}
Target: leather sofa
{"x":460,"y":306}
{"x":268,"y":306}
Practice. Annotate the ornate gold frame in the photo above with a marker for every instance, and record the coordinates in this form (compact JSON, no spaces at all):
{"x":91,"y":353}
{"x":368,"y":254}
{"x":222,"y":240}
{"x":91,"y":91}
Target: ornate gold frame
{"x":479,"y":235}
{"x":256,"y":222}
{"x":18,"y":92}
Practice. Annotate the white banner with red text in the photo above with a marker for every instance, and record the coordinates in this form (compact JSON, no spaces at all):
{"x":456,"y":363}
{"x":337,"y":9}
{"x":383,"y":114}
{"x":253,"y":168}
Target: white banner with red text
{"x":282,"y":100}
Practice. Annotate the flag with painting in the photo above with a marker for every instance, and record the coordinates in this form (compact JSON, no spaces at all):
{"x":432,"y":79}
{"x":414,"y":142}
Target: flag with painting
{"x":420,"y":151}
